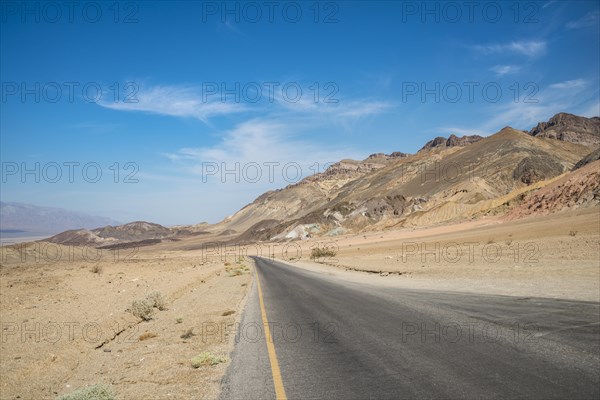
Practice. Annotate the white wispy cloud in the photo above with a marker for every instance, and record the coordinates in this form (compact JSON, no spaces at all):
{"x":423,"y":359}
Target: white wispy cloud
{"x":176,"y":101}
{"x":572,"y":84}
{"x":189,"y":102}
{"x":564,"y":96}
{"x":95,"y":127}
{"x":344,"y":113}
{"x":358,"y":109}
{"x":501,"y":70}
{"x":531,"y":48}
{"x":548,"y":4}
{"x":334,"y":106}
{"x":260,"y":141}
{"x":592,"y":18}
{"x":568,"y":96}
{"x":592,"y":111}
{"x":229,"y":26}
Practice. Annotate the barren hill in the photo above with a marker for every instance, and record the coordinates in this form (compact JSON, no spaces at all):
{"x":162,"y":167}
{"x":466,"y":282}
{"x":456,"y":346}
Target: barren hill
{"x":311,"y":193}
{"x":139,"y":232}
{"x":447,"y":180}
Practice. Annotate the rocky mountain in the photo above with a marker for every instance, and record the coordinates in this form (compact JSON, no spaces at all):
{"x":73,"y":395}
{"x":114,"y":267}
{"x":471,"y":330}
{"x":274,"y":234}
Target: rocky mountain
{"x":30,"y":219}
{"x":570,"y":128}
{"x":395,"y":154}
{"x":451,"y":141}
{"x":512,"y":173}
{"x":449,"y":179}
{"x":299,"y":199}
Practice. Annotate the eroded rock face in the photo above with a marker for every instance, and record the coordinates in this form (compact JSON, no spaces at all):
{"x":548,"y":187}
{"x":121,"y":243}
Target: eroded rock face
{"x":593,"y":156}
{"x":570,"y":128}
{"x":395,"y":154}
{"x":389,"y":205}
{"x":537,"y":168}
{"x":352,"y":167}
{"x":438,"y":141}
{"x":452,"y":141}
{"x":580,"y":189}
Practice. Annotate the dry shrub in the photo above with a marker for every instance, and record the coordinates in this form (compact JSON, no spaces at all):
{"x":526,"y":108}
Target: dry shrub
{"x":206,"y":358}
{"x":141,"y":309}
{"x":318,"y":252}
{"x":92,"y":392}
{"x":157,"y":300}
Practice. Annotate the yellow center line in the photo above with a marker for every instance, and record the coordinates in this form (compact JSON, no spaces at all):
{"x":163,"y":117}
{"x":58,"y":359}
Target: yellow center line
{"x":277,"y":381}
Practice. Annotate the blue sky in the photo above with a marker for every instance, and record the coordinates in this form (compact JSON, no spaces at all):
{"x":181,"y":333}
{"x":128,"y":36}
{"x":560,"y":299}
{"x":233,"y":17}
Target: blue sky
{"x":175,"y":93}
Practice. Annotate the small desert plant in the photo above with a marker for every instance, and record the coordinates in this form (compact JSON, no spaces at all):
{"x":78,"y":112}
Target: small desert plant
{"x":141,"y":309}
{"x":318,"y":252}
{"x":572,"y":233}
{"x":96,"y":269}
{"x":206,"y":358}
{"x":147,"y":335}
{"x":237,"y":271}
{"x":188,"y":334}
{"x":179,"y":320}
{"x":490,"y":241}
{"x":228,"y":312}
{"x":157,"y":300}
{"x":93,"y":392}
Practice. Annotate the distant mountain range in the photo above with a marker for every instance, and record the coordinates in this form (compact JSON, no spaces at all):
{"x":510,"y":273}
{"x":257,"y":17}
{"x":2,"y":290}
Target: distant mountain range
{"x":19,"y":219}
{"x":448,"y":180}
{"x":512,"y":173}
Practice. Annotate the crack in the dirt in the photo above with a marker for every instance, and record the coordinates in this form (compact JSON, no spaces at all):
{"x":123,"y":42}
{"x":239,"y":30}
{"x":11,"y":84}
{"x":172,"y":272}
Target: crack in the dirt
{"x":116,"y":335}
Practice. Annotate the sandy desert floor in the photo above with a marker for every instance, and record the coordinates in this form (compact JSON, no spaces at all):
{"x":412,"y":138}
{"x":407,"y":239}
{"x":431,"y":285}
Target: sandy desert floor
{"x":65,"y":326}
{"x":554,"y":256}
{"x":65,"y":322}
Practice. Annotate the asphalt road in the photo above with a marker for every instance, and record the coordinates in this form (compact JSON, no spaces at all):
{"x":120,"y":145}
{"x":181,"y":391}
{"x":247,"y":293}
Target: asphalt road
{"x":342,"y":340}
